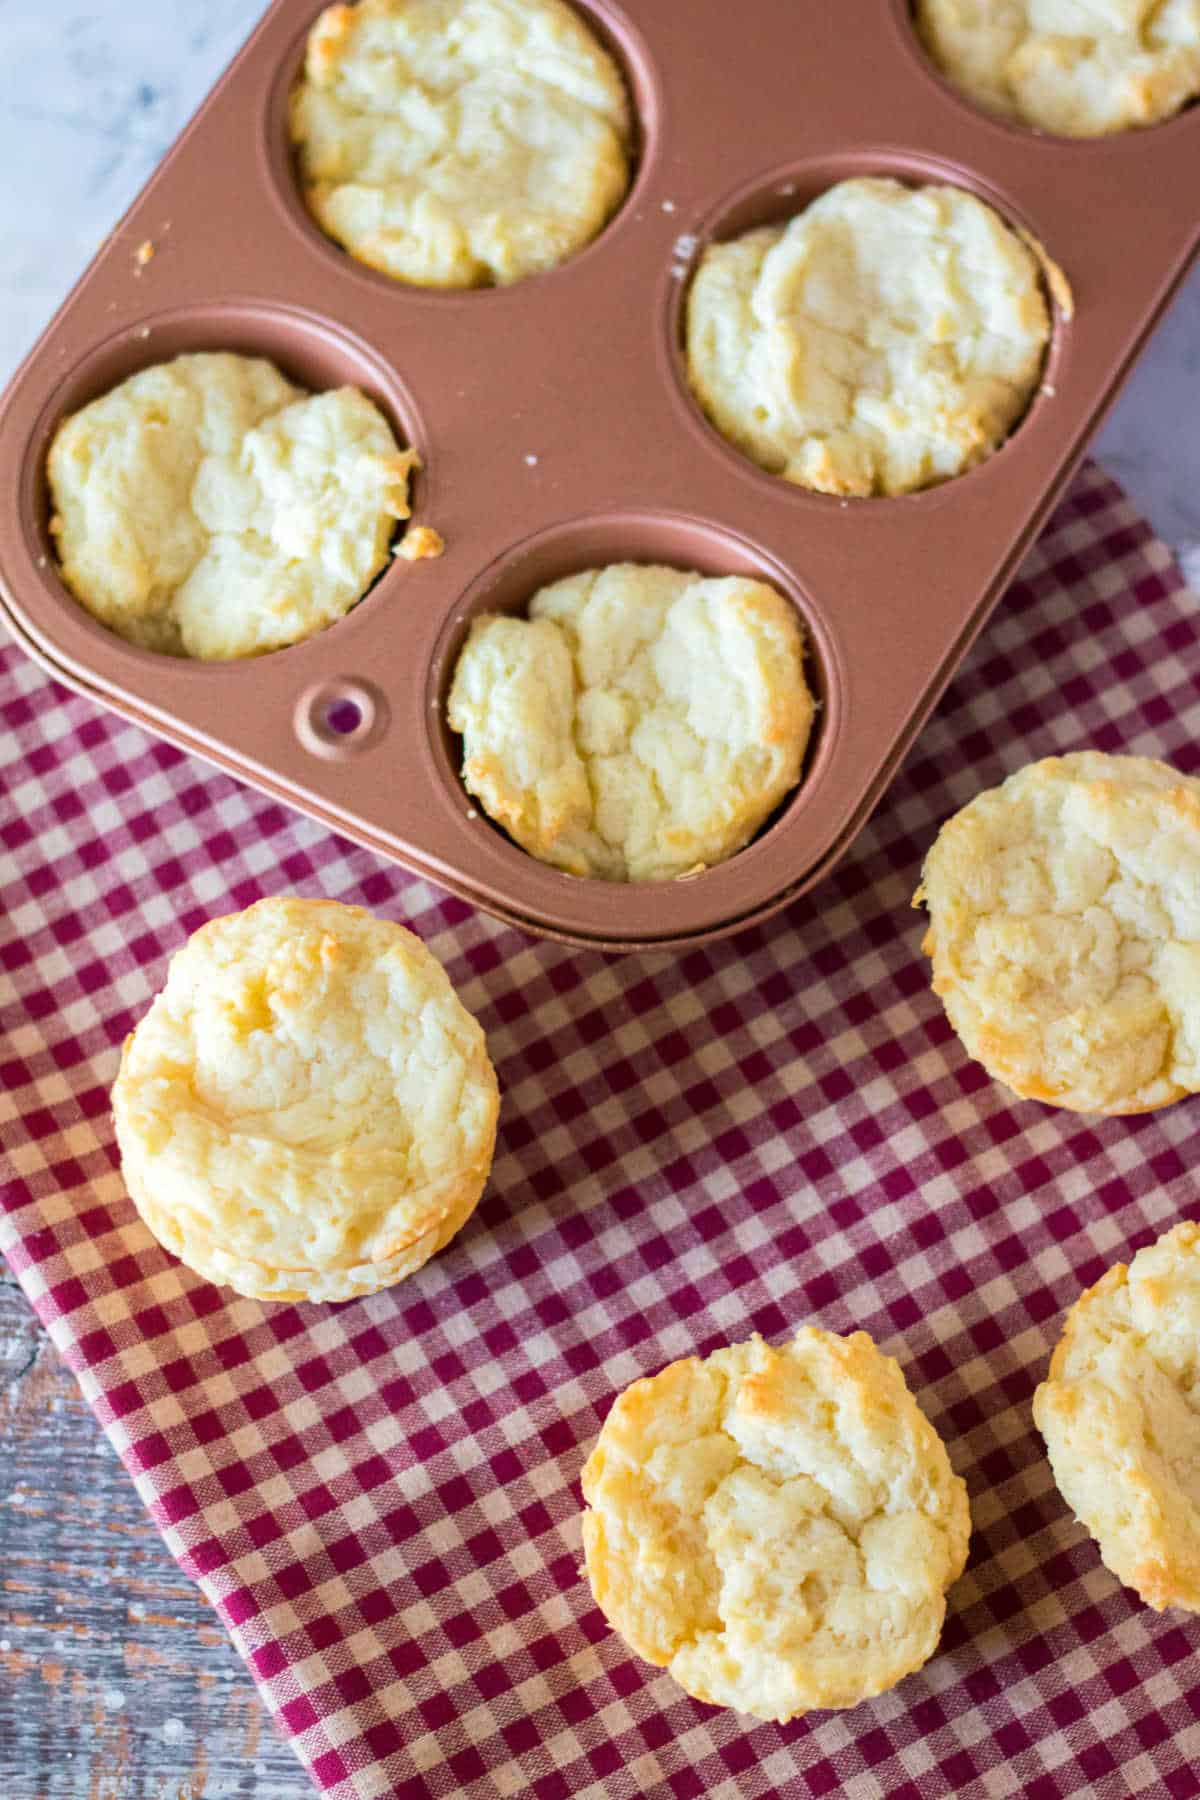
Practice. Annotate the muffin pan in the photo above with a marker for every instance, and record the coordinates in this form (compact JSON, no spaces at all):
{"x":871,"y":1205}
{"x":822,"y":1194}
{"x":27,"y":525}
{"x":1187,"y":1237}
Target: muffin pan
{"x":557,"y":431}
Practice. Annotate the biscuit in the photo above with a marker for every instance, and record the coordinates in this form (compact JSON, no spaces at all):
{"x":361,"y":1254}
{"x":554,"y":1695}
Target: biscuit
{"x":257,"y":1282}
{"x":886,"y":339}
{"x":1074,"y":67}
{"x":1064,"y":931}
{"x":459,"y":143}
{"x":307,"y":1110}
{"x":207,"y":508}
{"x":777,"y":1527}
{"x":641,"y":724}
{"x":1118,"y":1413}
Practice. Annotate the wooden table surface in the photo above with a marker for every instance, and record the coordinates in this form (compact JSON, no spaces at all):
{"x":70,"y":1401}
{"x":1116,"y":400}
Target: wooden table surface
{"x":118,"y":1681}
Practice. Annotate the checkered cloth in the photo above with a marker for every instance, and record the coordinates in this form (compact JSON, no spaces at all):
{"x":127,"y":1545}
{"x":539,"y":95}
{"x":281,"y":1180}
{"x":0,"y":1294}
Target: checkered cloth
{"x":381,"y":1499}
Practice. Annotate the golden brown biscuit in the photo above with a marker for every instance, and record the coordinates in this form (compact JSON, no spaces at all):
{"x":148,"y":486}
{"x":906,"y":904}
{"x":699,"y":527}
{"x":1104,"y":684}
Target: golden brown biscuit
{"x":1118,"y":1413}
{"x":1064,"y":931}
{"x":777,"y":1527}
{"x":454,"y":143}
{"x":307,"y":1109}
{"x":886,"y":339}
{"x":206,"y":507}
{"x":641,"y":724}
{"x":1080,"y":68}
{"x":224,"y":1268}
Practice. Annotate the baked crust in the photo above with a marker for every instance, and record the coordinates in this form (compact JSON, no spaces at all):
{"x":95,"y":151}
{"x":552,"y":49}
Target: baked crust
{"x":641,"y":724}
{"x":1119,"y":1413}
{"x":455,"y":144}
{"x":884,"y":340}
{"x":777,"y":1527}
{"x":207,"y":508}
{"x":1064,"y":931}
{"x":307,"y":1108}
{"x":1074,"y":67}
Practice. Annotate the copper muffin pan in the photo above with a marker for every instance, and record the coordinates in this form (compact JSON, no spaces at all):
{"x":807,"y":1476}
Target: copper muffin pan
{"x":557,"y":431}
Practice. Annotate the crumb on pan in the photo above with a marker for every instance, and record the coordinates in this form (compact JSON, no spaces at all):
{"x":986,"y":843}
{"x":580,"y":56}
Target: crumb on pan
{"x":419,"y":543}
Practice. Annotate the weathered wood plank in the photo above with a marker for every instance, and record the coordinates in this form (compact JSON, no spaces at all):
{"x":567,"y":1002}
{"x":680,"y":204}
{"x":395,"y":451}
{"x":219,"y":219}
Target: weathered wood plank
{"x":117,"y":1682}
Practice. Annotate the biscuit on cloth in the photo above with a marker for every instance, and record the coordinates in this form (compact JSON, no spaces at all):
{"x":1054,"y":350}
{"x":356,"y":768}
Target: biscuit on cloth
{"x":1080,"y":68}
{"x":886,"y":339}
{"x":460,"y":143}
{"x":777,"y":1527}
{"x":307,"y":1111}
{"x":640,"y":724}
{"x":1064,"y":931}
{"x":207,"y":508}
{"x":225,"y":1268}
{"x":1118,"y":1411}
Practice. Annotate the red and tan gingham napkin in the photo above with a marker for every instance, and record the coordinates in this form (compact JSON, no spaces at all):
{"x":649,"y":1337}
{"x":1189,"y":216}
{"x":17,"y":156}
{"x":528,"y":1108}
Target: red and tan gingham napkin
{"x":381,"y":1498}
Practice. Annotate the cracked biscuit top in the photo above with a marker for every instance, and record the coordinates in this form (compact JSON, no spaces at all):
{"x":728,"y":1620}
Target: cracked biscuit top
{"x":305,"y":1101}
{"x":1064,"y":931}
{"x":777,"y":1527}
{"x":1080,"y":68}
{"x":640,"y":724}
{"x":1120,"y":1413}
{"x":886,"y":339}
{"x":460,"y":143}
{"x":207,"y":508}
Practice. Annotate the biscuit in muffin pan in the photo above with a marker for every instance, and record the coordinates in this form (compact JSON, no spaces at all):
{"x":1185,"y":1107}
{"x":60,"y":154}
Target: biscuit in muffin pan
{"x":1118,"y":1413}
{"x":1064,"y":931}
{"x":640,"y":725}
{"x":458,"y":143}
{"x":307,"y":1110}
{"x":884,"y":340}
{"x":206,"y":507}
{"x":777,"y":1527}
{"x":1068,"y":66}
